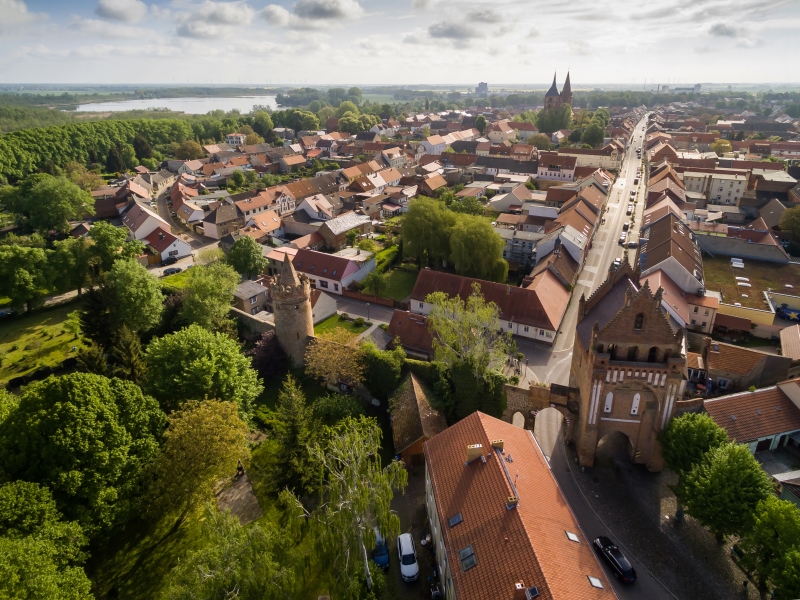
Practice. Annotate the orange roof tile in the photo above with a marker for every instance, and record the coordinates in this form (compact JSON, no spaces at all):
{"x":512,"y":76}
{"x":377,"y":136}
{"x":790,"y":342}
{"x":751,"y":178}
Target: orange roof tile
{"x":733,"y":359}
{"x":750,"y":415}
{"x":524,"y":544}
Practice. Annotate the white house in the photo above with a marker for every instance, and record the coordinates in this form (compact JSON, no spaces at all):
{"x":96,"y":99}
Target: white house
{"x":235,"y":139}
{"x":331,"y":273}
{"x":165,"y":244}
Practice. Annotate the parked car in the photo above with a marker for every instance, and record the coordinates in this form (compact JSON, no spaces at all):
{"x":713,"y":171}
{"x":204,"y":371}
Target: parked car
{"x":625,"y":226}
{"x":170,"y":260}
{"x":380,"y":554}
{"x":617,"y":263}
{"x":620,"y":566}
{"x":623,"y":236}
{"x":172,"y":271}
{"x":632,"y":244}
{"x":409,"y":568}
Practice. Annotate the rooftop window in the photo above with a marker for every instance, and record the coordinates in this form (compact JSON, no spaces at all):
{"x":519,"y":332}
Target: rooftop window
{"x":467,"y":558}
{"x":572,"y":537}
{"x":455,"y":520}
{"x":595,"y":582}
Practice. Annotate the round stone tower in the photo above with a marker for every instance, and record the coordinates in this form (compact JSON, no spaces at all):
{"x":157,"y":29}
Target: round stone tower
{"x":291,"y":300}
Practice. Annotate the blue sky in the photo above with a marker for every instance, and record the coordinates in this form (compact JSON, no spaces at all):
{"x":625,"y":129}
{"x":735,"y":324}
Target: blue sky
{"x":398,"y":41}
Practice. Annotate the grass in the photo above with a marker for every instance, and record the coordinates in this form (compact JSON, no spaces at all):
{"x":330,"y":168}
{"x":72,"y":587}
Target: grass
{"x":401,"y":283}
{"x":720,"y":276}
{"x":36,"y":340}
{"x":335,"y":322}
{"x":177,"y":282}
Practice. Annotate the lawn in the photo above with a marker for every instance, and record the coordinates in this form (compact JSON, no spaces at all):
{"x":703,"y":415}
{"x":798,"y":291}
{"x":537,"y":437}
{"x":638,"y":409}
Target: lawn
{"x":177,"y":282}
{"x":401,"y":283}
{"x":336,"y":322}
{"x":721,"y":276}
{"x":36,"y":340}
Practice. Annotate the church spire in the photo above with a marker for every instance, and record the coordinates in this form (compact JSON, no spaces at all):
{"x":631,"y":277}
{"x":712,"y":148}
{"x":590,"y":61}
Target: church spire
{"x":553,"y":91}
{"x":567,"y":89}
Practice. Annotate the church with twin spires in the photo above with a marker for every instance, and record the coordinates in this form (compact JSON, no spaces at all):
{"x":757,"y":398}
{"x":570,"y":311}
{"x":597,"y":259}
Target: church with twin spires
{"x":555,"y":100}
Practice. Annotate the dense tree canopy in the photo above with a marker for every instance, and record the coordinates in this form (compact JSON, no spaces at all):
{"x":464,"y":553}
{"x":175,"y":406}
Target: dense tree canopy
{"x":246,"y":257}
{"x":209,"y":294}
{"x":775,"y":532}
{"x":85,"y":437}
{"x":109,"y":245}
{"x":195,"y":364}
{"x":25,"y":275}
{"x":723,"y":491}
{"x":137,"y":298}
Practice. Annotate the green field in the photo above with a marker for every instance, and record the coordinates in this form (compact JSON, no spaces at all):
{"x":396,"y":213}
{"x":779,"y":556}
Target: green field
{"x":34,"y":341}
{"x":401,"y":283}
{"x":334,"y":322}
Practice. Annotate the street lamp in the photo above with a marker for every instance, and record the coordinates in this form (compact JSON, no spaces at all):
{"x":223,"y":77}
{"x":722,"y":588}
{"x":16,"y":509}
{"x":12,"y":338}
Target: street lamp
{"x":367,"y":311}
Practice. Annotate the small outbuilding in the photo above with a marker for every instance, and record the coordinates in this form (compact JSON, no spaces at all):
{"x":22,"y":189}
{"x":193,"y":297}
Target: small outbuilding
{"x":414,"y":420}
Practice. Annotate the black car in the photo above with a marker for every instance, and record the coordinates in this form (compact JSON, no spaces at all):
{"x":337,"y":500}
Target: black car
{"x":622,"y":568}
{"x":172,"y":271}
{"x":170,"y":260}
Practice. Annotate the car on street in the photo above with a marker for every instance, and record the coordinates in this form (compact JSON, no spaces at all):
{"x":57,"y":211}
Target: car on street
{"x":170,"y":260}
{"x":623,"y":236}
{"x":617,"y":263}
{"x":172,"y":271}
{"x":625,"y":226}
{"x":409,"y":567}
{"x":615,"y":559}
{"x":630,"y":209}
{"x":632,"y":244}
{"x":380,"y":554}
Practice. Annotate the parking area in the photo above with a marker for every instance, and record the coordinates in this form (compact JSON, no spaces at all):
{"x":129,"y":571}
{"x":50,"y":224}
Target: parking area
{"x":410,"y":507}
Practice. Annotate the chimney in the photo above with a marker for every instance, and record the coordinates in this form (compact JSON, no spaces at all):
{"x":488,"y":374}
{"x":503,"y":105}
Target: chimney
{"x":512,"y":501}
{"x":497,"y":444}
{"x":520,"y":591}
{"x":474,"y":451}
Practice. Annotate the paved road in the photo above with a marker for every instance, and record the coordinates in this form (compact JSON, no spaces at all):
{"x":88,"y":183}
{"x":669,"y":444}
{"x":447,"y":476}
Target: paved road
{"x":549,"y":434}
{"x":197,"y":242}
{"x":375,"y":313}
{"x":603,"y":252}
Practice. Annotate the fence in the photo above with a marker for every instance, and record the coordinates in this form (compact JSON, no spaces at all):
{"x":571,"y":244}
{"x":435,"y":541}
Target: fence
{"x":371,"y":299}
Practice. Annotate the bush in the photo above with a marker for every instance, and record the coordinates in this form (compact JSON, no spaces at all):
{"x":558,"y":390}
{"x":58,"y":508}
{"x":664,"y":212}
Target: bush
{"x":344,"y":317}
{"x":422,"y":369}
{"x":359,"y":322}
{"x":332,"y":408}
{"x":384,"y":368}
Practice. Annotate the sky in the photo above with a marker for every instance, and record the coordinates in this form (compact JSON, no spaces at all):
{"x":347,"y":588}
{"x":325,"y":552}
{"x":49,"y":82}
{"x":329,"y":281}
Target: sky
{"x":376,"y":42}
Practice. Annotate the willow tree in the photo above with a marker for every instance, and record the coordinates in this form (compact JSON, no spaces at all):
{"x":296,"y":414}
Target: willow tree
{"x":357,"y":493}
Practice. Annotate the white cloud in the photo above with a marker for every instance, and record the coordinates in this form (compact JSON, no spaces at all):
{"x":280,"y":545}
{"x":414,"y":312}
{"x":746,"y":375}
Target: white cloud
{"x":485,"y":16}
{"x":213,"y":19}
{"x":127,"y":11}
{"x":313,"y":14}
{"x":14,"y":13}
{"x":453,"y":31}
{"x":98,"y":28}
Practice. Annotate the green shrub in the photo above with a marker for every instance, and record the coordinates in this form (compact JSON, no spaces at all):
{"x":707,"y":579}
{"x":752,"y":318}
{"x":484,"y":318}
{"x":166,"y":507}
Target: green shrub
{"x":344,"y":317}
{"x":332,"y":408}
{"x":359,"y":322}
{"x":422,"y":369}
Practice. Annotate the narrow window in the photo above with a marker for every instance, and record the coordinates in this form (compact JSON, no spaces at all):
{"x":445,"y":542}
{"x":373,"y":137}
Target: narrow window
{"x":639,"y":322}
{"x":635,"y":405}
{"x":609,"y":402}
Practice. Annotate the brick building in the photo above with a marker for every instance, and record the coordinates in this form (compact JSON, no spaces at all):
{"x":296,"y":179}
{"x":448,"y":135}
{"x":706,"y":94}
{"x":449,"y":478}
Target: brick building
{"x":628,"y":365}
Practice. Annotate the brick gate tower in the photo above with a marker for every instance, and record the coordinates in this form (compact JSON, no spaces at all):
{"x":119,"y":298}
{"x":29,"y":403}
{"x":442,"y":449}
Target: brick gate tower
{"x":291,"y":300}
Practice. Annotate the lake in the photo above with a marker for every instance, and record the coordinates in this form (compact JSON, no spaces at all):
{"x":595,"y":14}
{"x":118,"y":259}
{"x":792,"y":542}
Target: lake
{"x":192,"y":106}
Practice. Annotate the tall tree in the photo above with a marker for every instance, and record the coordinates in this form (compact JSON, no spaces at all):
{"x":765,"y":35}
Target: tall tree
{"x":85,"y":179}
{"x":334,"y":357}
{"x":127,"y":356}
{"x":293,"y":431}
{"x":209,"y":295}
{"x":85,"y":437}
{"x":71,"y":263}
{"x":269,"y":358}
{"x":477,"y":249}
{"x":426,"y":231}
{"x":256,"y":562}
{"x":195,"y":364}
{"x":775,"y":532}
{"x":202,"y":445}
{"x":189,"y":150}
{"x":55,"y":201}
{"x":723,"y":491}
{"x":142,"y":147}
{"x":790,"y":221}
{"x":685,"y":442}
{"x":246,"y":257}
{"x":137,"y":299}
{"x":721,"y":147}
{"x":787,"y":576}
{"x":480,"y":124}
{"x":109,"y":245}
{"x":593,"y":134}
{"x":357,"y":496}
{"x":25,"y":275}
{"x":376,"y":282}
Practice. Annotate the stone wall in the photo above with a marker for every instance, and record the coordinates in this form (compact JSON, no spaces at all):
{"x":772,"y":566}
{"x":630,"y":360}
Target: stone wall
{"x":252,"y":325}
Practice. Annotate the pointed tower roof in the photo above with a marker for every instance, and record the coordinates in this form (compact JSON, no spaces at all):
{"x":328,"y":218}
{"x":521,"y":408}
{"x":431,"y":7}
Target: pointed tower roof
{"x":567,"y":89}
{"x":288,"y":274}
{"x":553,"y":91}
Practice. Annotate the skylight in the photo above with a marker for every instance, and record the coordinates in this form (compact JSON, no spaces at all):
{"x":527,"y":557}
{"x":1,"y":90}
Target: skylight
{"x":595,"y":582}
{"x":573,"y":537}
{"x":455,"y":520}
{"x":467,"y":558}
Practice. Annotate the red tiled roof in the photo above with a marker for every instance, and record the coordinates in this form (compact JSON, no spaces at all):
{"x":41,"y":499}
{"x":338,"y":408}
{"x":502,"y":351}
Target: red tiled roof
{"x":732,"y":359}
{"x":159,"y":239}
{"x":525,"y":544}
{"x":751,"y":415}
{"x":412,"y":331}
{"x":732,"y":322}
{"x":536,"y":307}
{"x":790,"y":342}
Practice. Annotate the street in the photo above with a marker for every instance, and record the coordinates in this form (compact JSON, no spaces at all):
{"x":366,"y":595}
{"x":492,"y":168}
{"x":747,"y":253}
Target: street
{"x":595,"y":269}
{"x":549,"y":434}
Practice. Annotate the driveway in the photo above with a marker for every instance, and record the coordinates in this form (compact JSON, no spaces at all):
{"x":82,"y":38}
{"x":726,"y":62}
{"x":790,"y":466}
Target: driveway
{"x":374,"y":313}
